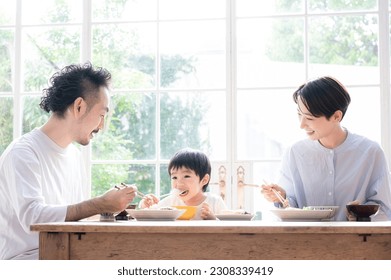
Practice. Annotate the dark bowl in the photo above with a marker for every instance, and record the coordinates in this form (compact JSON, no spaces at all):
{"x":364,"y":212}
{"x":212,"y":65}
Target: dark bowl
{"x":363,"y":212}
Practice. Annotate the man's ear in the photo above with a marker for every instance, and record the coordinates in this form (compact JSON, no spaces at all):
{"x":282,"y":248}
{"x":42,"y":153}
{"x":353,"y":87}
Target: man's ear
{"x":79,"y":107}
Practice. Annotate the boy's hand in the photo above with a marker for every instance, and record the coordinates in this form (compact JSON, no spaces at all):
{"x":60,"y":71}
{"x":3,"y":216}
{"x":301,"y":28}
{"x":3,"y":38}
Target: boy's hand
{"x":206,"y":212}
{"x":148,"y":201}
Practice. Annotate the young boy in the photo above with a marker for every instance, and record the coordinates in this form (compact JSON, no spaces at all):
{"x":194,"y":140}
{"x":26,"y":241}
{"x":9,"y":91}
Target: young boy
{"x":190,"y":174}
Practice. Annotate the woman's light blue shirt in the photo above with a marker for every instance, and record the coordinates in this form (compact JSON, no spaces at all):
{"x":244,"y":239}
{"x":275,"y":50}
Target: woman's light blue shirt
{"x":313,"y":175}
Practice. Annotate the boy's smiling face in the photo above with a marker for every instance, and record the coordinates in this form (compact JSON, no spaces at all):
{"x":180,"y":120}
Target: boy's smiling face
{"x":188,"y":184}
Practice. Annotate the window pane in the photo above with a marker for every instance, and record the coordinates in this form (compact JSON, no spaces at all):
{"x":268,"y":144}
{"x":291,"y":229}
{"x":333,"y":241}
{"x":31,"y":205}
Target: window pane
{"x":191,"y":9}
{"x":271,"y":54}
{"x":363,"y":115}
{"x":144,"y":177}
{"x":389,"y":31}
{"x":33,"y":115}
{"x":6,"y":52}
{"x":345,"y":47}
{"x":264,"y":132}
{"x":165,"y":180}
{"x":50,"y":48}
{"x":124,"y":10}
{"x":6,"y":122}
{"x":106,"y":176}
{"x":49,"y":11}
{"x":193,"y":119}
{"x":192,"y":53}
{"x":7,"y":12}
{"x":128,"y":51}
{"x":341,"y":5}
{"x":248,"y":8}
{"x":261,"y":171}
{"x":131,"y":129}
{"x":267,"y":123}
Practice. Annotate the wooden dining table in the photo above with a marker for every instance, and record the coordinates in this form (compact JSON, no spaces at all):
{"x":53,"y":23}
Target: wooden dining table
{"x":214,"y":240}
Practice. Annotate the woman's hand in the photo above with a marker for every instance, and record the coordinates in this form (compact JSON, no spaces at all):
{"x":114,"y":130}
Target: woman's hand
{"x":269,"y":195}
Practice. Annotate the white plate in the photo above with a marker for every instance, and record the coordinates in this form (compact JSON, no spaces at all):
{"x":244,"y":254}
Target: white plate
{"x":305,"y":215}
{"x":155,"y":215}
{"x":234,"y":217}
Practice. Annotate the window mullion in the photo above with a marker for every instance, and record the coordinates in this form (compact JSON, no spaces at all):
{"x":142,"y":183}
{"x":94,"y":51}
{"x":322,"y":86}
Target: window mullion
{"x":231,"y":91}
{"x":17,"y":75}
{"x":384,"y":68}
{"x":86,"y":54}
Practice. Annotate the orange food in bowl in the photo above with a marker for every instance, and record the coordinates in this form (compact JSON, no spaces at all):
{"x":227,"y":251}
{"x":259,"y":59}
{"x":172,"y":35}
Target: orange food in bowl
{"x":188,"y":214}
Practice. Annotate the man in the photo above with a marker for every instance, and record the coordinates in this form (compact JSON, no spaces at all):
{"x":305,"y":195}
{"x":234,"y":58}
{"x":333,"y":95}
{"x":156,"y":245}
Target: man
{"x":42,"y":175}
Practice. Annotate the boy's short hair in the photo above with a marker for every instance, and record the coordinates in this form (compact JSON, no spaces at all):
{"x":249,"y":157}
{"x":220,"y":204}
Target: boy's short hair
{"x":194,"y":160}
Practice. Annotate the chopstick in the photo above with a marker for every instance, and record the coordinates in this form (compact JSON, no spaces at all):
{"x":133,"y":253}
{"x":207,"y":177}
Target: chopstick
{"x":138,"y":193}
{"x":285,"y":202}
{"x":251,"y":185}
{"x":165,"y":195}
{"x":172,"y":192}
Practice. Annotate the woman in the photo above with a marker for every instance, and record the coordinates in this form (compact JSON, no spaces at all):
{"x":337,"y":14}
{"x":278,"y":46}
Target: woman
{"x":333,"y":167}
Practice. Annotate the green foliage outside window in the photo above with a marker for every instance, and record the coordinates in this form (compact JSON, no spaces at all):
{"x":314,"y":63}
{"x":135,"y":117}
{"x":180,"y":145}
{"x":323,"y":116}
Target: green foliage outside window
{"x":341,"y":40}
{"x":131,"y":132}
{"x":5,"y":122}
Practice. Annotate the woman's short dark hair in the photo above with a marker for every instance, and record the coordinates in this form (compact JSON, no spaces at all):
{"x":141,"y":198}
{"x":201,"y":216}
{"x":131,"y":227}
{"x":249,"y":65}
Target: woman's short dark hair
{"x":194,"y":160}
{"x":323,"y":97}
{"x":72,"y":82}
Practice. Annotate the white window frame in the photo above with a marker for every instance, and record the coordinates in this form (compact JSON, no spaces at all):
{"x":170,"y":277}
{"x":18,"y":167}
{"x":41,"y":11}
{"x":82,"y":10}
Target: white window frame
{"x":231,"y":77}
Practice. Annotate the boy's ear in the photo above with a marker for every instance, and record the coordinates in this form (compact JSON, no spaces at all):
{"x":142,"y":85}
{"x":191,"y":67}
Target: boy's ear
{"x":205,"y":180}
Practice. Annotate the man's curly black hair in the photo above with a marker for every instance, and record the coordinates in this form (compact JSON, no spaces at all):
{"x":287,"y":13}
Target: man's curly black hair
{"x":73,"y":81}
